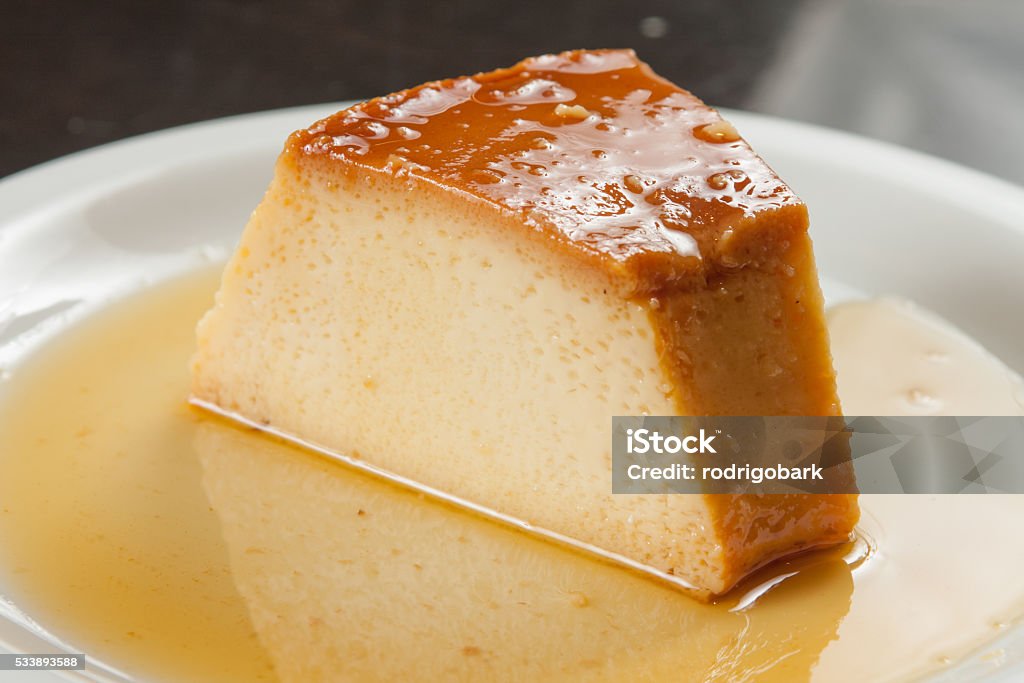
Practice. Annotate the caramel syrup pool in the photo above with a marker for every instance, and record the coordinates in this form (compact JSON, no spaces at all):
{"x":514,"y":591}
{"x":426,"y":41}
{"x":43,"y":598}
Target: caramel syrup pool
{"x":173,"y":546}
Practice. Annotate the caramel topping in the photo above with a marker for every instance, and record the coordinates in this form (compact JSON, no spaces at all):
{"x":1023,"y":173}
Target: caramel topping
{"x":591,"y":145}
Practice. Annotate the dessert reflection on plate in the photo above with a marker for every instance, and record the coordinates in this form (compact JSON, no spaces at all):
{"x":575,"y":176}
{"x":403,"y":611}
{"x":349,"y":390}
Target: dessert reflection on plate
{"x":344,"y":574}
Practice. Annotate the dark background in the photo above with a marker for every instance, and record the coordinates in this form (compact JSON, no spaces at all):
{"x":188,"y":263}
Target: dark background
{"x":77,"y":74}
{"x":74,"y":74}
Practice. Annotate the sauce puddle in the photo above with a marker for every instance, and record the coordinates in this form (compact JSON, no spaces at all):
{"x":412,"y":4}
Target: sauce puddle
{"x":175,"y":546}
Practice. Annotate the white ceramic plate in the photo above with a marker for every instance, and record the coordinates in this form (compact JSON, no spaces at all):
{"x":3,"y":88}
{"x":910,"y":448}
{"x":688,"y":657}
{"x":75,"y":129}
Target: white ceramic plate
{"x":79,"y":231}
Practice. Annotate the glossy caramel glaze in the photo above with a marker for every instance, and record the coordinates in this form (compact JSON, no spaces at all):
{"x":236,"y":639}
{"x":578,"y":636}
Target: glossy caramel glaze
{"x":589,"y":147}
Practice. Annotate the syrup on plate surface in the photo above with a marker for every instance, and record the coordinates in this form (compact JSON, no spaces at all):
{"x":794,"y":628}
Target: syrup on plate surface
{"x":174,"y":546}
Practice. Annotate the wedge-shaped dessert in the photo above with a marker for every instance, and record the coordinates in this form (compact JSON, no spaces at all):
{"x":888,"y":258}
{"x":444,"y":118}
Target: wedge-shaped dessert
{"x":460,"y":284}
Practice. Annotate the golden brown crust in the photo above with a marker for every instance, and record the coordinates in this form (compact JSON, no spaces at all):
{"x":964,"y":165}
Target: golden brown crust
{"x":590,"y":148}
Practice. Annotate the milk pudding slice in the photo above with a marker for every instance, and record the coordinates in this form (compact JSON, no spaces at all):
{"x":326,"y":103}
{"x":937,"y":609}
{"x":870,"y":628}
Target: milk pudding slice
{"x":462,"y":283}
